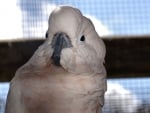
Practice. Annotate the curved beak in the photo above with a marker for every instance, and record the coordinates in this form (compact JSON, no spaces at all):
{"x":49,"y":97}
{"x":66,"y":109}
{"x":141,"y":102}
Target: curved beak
{"x":59,"y":42}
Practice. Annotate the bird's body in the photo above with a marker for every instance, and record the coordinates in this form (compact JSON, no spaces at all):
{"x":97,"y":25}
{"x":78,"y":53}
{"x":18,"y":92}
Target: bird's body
{"x":64,"y":75}
{"x":63,"y":93}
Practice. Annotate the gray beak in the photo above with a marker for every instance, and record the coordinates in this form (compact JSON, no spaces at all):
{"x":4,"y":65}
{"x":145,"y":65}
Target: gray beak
{"x":59,"y":42}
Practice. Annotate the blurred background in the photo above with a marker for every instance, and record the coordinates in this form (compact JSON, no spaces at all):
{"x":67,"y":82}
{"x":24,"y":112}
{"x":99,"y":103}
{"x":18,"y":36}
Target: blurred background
{"x":124,"y":26}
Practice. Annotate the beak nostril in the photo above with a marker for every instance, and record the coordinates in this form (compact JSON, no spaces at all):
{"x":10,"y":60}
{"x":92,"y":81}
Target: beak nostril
{"x":66,"y":42}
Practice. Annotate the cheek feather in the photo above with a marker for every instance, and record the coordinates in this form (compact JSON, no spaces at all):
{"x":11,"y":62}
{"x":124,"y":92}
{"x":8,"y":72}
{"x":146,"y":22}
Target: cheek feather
{"x":68,"y":58}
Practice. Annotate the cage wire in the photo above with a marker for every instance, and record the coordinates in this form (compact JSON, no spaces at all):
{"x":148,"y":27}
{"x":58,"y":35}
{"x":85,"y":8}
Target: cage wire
{"x":110,"y":17}
{"x":115,"y":17}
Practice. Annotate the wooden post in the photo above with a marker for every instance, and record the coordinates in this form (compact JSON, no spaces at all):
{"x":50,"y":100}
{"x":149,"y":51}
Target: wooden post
{"x":126,"y":56}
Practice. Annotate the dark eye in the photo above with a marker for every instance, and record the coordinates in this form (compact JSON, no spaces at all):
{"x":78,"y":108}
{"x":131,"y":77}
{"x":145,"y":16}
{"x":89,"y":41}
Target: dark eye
{"x":82,"y":38}
{"x":46,"y":35}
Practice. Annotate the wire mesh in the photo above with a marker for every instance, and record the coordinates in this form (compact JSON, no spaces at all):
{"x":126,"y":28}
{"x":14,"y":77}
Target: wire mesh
{"x":122,"y":96}
{"x":29,"y":18}
{"x":111,"y":17}
{"x":123,"y":17}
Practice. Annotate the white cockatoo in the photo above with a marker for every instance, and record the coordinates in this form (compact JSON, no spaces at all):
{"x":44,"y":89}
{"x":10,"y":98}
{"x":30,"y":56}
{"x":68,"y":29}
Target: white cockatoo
{"x":66,"y":73}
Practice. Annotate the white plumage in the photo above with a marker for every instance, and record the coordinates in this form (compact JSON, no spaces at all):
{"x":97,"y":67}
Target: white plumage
{"x":66,"y":74}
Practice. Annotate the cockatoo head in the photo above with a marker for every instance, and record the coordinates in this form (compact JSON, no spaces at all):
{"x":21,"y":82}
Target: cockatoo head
{"x":75,"y":43}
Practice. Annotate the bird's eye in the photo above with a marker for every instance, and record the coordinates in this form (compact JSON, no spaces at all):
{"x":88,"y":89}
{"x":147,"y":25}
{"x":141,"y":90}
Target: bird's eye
{"x":46,"y":35}
{"x":82,"y":38}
